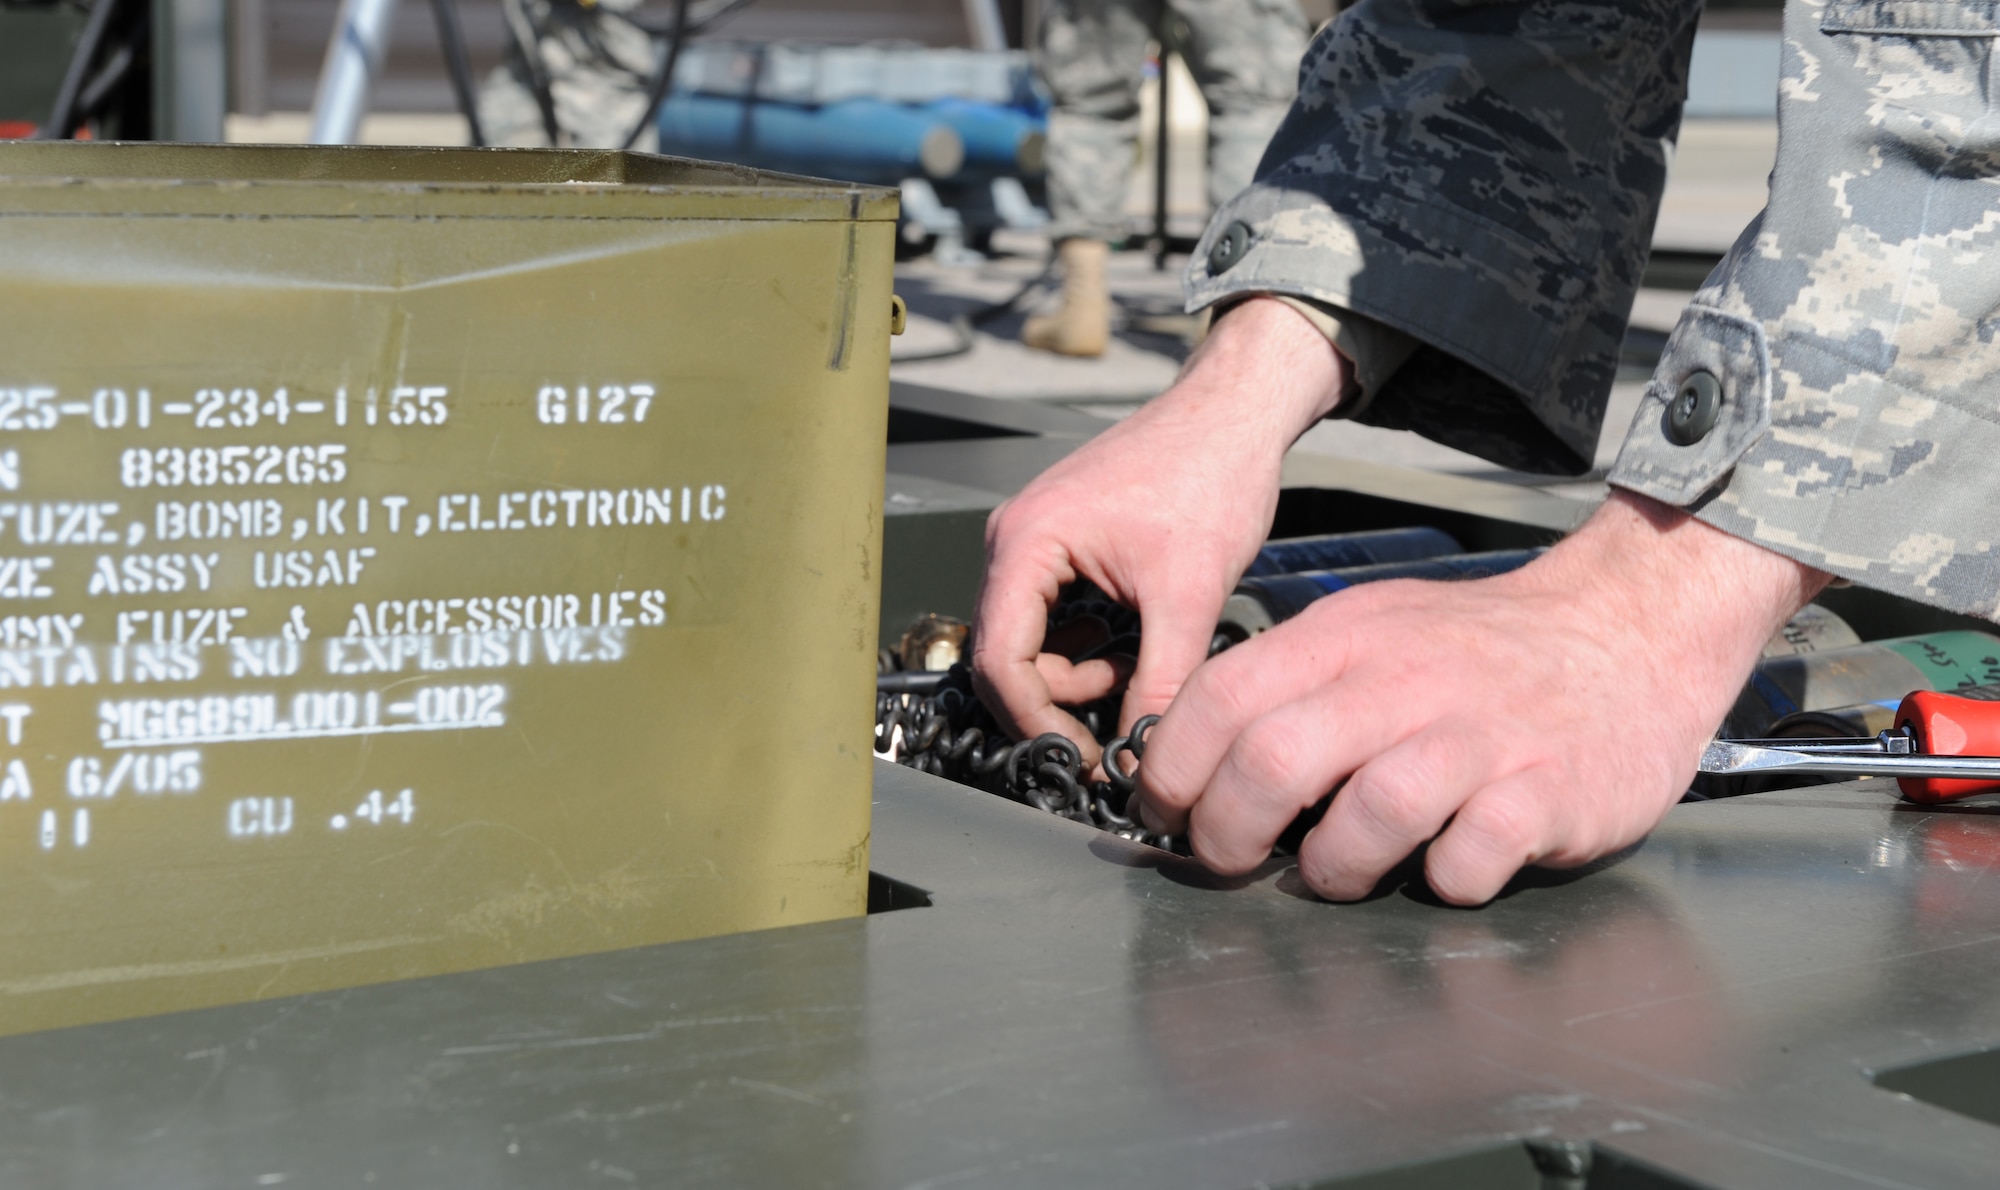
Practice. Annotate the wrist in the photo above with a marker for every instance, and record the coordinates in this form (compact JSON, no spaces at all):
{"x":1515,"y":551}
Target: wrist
{"x":1264,"y":375}
{"x":1703,"y":598}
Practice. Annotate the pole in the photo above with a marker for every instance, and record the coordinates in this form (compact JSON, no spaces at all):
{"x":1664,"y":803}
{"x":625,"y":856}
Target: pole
{"x":982,"y":20}
{"x":353,"y":58}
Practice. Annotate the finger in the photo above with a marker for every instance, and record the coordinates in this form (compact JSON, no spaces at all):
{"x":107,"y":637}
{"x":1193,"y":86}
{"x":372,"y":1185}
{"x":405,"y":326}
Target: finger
{"x":1178,"y":628}
{"x":1008,"y":627}
{"x":1222,"y":698}
{"x":1501,"y":829}
{"x":1049,"y":718}
{"x":1388,"y":808}
{"x":1279,"y":765}
{"x":1073,"y":683}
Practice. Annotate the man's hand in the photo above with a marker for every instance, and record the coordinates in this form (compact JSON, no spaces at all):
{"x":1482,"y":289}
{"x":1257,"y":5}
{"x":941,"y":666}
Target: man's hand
{"x":1547,"y":716}
{"x":1162,"y":511}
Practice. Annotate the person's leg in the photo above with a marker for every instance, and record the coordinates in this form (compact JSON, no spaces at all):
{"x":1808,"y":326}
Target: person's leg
{"x":598,"y":64}
{"x":1244,"y":54}
{"x":1091,"y":54}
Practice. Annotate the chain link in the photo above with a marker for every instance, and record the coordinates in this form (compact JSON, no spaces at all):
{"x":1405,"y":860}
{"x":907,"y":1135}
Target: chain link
{"x":949,"y":733}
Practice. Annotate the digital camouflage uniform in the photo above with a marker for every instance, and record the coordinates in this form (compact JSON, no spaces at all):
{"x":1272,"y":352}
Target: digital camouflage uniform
{"x":1243,"y":54}
{"x":599,"y":65}
{"x":1484,"y":177}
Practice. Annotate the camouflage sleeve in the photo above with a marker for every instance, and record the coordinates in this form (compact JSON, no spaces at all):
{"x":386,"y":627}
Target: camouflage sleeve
{"x":1834,"y":391}
{"x":1483,"y":177}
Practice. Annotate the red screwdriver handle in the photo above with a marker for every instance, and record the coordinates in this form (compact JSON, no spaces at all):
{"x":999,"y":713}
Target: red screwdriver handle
{"x":1948,"y":725}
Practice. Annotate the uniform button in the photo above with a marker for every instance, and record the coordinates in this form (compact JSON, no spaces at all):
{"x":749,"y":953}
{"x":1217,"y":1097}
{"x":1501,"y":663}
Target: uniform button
{"x":1229,"y":248}
{"x":1695,"y":408}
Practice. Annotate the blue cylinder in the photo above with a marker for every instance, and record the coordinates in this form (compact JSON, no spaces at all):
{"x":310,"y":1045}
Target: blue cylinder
{"x":1331,"y":551}
{"x":861,"y":140}
{"x":998,"y":140}
{"x":1263,"y":603}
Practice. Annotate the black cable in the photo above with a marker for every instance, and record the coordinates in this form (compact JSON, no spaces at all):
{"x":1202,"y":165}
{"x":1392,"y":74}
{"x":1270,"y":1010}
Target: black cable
{"x":115,"y":68}
{"x":657,"y":93}
{"x":120,"y":91}
{"x":451,"y":40}
{"x":917,"y":681}
{"x":545,"y":96}
{"x":527,"y":39}
{"x":528,"y":43}
{"x":62,"y":117}
{"x":963,"y":336}
{"x":963,"y":326}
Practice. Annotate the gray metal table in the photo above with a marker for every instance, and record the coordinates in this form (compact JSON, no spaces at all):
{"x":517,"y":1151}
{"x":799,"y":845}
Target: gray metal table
{"x":1074,"y":1010}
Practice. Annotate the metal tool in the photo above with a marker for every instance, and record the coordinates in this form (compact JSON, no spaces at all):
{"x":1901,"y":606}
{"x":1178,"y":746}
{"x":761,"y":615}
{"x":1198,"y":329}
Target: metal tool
{"x":1921,"y":751}
{"x":1888,"y":754}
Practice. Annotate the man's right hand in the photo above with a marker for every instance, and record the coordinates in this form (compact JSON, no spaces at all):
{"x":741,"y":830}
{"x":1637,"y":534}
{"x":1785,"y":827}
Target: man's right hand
{"x":1162,"y":511}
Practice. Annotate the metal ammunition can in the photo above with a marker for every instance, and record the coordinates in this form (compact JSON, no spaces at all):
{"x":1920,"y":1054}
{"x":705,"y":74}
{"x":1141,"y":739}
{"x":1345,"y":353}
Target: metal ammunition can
{"x":391,"y":543}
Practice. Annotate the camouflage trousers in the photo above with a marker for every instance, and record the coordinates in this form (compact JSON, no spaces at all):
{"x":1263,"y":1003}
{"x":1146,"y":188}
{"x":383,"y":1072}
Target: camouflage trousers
{"x":1244,"y":55}
{"x":599,"y":65}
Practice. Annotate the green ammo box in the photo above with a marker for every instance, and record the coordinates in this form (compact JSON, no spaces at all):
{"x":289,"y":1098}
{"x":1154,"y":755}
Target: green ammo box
{"x":418,"y":560}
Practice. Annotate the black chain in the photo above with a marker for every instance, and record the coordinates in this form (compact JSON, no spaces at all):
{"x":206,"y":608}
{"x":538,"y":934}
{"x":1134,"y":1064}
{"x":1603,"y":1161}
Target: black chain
{"x":949,"y":734}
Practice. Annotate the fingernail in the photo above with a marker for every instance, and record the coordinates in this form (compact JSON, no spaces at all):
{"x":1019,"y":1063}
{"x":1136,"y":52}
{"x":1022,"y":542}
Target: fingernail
{"x":1150,"y":820}
{"x":1326,"y":887}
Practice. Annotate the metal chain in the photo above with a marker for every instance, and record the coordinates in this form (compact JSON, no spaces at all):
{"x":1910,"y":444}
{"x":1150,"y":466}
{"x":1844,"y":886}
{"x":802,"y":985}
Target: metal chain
{"x":949,"y":734}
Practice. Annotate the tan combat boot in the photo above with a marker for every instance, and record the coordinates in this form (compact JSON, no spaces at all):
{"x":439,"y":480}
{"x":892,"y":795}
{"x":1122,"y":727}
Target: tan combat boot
{"x":1083,"y":325}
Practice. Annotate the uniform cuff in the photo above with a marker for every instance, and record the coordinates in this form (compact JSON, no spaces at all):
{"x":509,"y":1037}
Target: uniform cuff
{"x":1455,"y":290}
{"x":1708,"y":403}
{"x":1866,"y":481}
